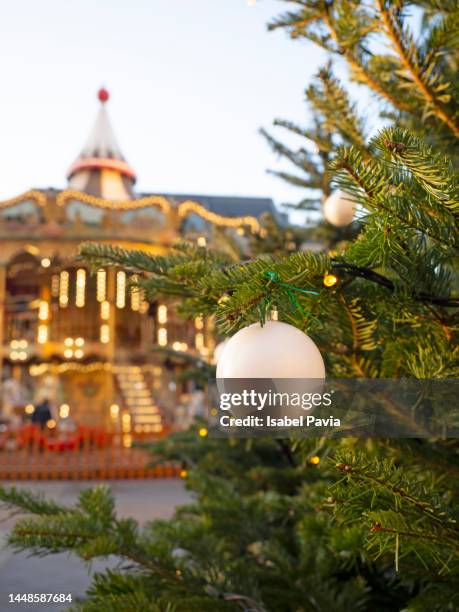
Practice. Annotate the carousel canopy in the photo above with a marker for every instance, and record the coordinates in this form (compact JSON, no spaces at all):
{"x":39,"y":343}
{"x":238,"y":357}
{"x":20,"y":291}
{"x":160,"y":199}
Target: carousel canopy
{"x":100,"y":169}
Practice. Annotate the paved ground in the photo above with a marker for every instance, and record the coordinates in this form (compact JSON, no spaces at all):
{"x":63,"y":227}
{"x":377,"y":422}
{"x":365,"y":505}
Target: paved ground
{"x":141,"y":499}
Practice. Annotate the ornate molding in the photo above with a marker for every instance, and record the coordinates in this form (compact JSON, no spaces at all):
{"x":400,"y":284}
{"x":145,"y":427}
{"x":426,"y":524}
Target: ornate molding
{"x":33,"y":194}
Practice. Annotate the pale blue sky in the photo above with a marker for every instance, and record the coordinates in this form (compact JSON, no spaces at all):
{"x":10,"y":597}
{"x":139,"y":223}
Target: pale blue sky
{"x":191,"y":81}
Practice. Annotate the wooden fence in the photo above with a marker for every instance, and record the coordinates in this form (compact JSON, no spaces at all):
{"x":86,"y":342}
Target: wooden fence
{"x":31,"y":454}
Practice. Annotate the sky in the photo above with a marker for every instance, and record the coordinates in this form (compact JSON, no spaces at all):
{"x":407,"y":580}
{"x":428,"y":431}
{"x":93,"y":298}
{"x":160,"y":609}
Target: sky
{"x":191,"y":82}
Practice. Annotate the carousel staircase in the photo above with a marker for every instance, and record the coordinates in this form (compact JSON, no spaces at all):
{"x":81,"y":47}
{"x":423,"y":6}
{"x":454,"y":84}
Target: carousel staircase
{"x":137,"y":399}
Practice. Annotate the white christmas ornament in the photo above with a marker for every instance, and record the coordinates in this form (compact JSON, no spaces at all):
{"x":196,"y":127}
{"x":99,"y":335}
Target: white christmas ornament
{"x":218,"y":351}
{"x":339,"y":209}
{"x":276,"y":350}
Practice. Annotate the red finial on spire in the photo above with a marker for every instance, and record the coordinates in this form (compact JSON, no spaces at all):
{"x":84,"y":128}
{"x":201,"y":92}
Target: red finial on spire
{"x":103,"y":94}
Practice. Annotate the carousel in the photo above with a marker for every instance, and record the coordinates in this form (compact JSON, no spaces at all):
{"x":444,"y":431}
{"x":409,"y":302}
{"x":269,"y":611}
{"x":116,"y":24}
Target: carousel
{"x":83,"y":343}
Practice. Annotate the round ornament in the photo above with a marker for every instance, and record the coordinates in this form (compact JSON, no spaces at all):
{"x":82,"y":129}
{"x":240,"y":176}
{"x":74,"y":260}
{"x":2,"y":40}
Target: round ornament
{"x":103,"y":94}
{"x":218,"y":351}
{"x":339,"y":208}
{"x":276,"y":350}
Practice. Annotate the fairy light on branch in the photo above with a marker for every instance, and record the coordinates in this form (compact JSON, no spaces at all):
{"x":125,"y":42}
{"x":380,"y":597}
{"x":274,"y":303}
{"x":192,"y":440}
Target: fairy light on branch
{"x":330,"y":280}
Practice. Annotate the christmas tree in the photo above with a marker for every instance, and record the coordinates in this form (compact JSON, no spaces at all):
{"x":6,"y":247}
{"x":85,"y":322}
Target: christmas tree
{"x":314,"y":524}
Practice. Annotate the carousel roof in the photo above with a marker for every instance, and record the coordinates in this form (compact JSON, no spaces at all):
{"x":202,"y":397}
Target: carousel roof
{"x":101,"y":169}
{"x":100,"y":177}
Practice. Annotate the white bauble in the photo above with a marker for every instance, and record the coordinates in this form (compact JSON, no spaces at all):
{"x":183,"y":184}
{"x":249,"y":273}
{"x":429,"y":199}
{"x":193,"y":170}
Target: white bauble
{"x":339,"y":209}
{"x":276,"y":350}
{"x":218,"y":351}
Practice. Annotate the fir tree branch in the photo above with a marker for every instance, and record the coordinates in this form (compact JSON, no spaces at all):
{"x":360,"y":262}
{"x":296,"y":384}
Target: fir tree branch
{"x":423,"y":507}
{"x":375,"y":277}
{"x":412,"y":63}
{"x":359,"y":68}
{"x":440,"y":538}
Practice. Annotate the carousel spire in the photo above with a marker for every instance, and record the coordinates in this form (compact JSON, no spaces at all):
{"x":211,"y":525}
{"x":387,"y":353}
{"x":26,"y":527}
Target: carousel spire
{"x":101,"y":169}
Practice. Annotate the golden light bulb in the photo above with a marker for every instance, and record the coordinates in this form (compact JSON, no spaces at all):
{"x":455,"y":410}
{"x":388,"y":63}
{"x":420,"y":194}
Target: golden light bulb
{"x":330,"y":280}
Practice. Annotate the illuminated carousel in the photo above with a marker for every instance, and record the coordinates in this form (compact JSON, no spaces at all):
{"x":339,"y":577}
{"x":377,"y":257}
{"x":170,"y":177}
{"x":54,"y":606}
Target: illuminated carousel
{"x":84,"y":342}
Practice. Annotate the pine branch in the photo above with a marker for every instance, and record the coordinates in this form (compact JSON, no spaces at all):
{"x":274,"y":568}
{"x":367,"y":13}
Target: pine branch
{"x":423,"y":76}
{"x":375,"y":277}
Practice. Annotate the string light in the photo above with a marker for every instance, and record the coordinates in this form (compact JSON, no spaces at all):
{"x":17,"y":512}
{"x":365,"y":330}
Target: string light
{"x":120,"y":289}
{"x":162,"y":336}
{"x":143,"y":305}
{"x":29,"y":409}
{"x":183,"y":209}
{"x":199,"y":323}
{"x":18,"y":355}
{"x":135,"y":296}
{"x":199,"y":341}
{"x":114,"y":411}
{"x":203,"y":432}
{"x":33,"y":194}
{"x":202,"y":241}
{"x":105,"y":333}
{"x":55,"y":285}
{"x":80,"y":287}
{"x":126,"y":422}
{"x":42,"y":335}
{"x":46,"y":262}
{"x":63,"y":289}
{"x":18,"y":344}
{"x":180,"y":346}
{"x":162,"y":314}
{"x":71,"y":194}
{"x":64,"y":411}
{"x":101,"y":284}
{"x":127,"y":441}
{"x":105,"y":310}
{"x":187,"y":207}
{"x":330,"y":280}
{"x":43,"y":310}
{"x":61,"y":368}
{"x":315,"y":460}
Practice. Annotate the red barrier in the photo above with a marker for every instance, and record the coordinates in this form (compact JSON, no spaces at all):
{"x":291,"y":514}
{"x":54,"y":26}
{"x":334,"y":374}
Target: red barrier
{"x":87,"y":453}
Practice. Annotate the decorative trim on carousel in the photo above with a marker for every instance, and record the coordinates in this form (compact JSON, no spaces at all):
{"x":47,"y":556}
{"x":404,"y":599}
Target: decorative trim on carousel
{"x":71,"y":194}
{"x":33,"y":194}
{"x":184,"y":208}
{"x":102,"y":163}
{"x":189,"y":206}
